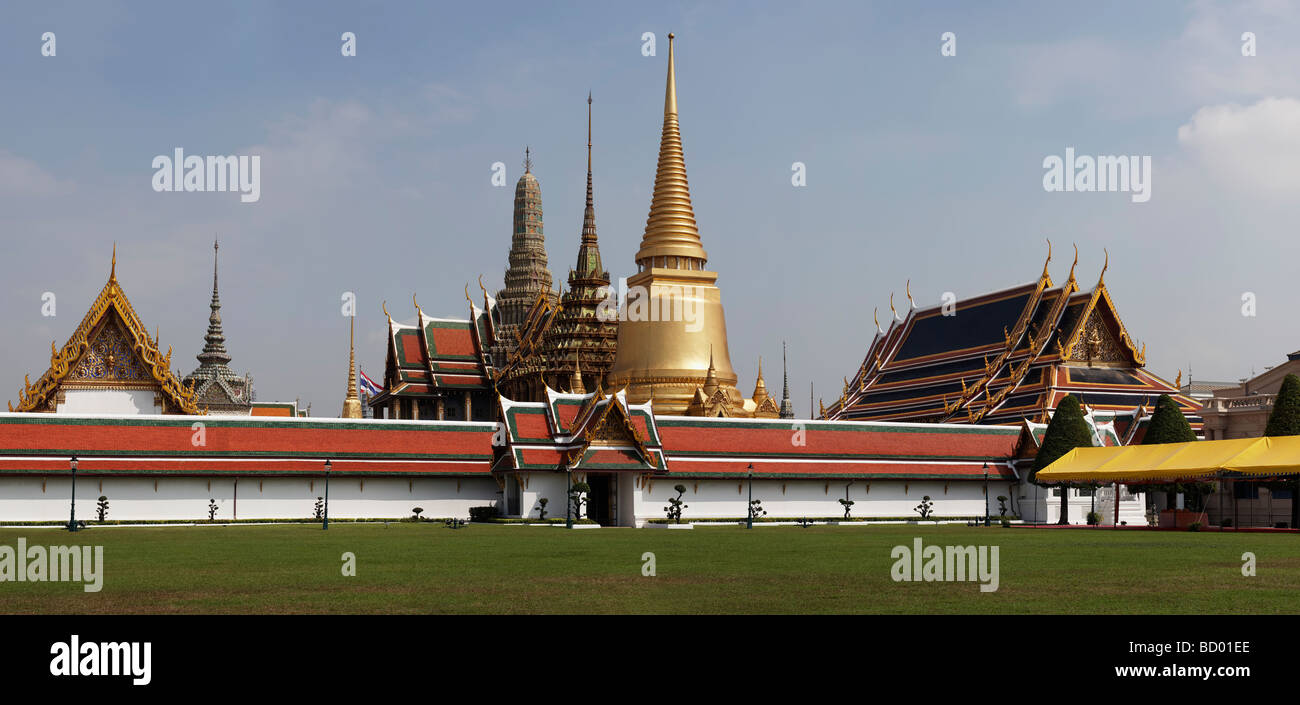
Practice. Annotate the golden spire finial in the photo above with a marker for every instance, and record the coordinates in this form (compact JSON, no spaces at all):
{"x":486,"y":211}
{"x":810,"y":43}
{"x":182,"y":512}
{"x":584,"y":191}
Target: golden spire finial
{"x":1178,"y":382}
{"x":384,"y":307}
{"x":112,"y":271}
{"x":671,"y":233}
{"x":910,"y":302}
{"x":875,"y":315}
{"x":891,"y":307}
{"x":417,"y":306}
{"x":1075,"y":262}
{"x":1049,"y":256}
{"x":467,"y":298}
{"x":670,"y":92}
{"x":351,"y":402}
{"x":1102,"y":279}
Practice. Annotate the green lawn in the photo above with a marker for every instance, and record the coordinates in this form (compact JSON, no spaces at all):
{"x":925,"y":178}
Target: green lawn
{"x":408,"y":568}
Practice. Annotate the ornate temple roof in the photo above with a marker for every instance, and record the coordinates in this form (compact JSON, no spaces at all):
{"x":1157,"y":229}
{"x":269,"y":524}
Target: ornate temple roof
{"x":216,"y":387}
{"x":438,"y":354}
{"x":595,"y":431}
{"x":557,"y":339}
{"x":109,"y":348}
{"x":1002,"y":357}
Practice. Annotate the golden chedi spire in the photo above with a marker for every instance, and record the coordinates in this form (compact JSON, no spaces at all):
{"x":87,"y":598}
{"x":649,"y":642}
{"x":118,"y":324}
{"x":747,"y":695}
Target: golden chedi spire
{"x":672,"y":332}
{"x":352,"y":404}
{"x":760,"y":386}
{"x":670,"y":229}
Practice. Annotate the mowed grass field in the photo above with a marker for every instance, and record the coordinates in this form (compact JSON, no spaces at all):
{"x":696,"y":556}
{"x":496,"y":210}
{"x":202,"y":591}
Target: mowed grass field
{"x":484,"y":569}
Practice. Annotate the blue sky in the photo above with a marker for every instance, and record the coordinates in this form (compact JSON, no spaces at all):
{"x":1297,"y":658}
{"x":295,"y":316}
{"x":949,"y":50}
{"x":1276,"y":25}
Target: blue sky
{"x":376,"y":169}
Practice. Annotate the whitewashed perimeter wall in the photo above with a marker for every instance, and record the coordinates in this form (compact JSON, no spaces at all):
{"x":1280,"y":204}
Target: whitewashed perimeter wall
{"x":133,"y":498}
{"x":812,"y":498}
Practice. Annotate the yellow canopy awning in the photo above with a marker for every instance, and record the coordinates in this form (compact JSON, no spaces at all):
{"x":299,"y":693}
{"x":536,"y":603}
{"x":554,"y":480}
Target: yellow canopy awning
{"x":1278,"y":455}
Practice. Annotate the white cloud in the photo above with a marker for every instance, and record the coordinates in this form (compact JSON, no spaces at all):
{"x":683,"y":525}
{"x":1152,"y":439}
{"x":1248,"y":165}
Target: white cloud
{"x":1251,"y":149}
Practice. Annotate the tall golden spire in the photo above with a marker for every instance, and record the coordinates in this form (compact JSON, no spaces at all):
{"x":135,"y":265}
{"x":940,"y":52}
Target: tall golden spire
{"x":352,"y":404}
{"x":670,"y":229}
{"x":684,"y":353}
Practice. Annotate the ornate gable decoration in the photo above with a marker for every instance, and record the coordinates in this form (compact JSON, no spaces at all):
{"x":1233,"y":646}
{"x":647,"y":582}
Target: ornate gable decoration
{"x":604,"y":421}
{"x":109,"y":347}
{"x":1099,"y":338}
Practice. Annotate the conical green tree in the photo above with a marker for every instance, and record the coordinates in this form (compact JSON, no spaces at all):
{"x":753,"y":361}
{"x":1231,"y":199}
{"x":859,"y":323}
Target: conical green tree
{"x":1169,"y":425}
{"x":1067,"y":430}
{"x":1284,"y":420}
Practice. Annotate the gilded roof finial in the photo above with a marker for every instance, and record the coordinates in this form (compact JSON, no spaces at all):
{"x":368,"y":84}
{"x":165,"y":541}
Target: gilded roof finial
{"x":910,"y":302}
{"x":891,"y":307}
{"x":1076,"y":260}
{"x":670,"y":93}
{"x":417,"y":307}
{"x":875,"y":315}
{"x":1102,"y":279}
{"x":467,"y":298}
{"x":112,"y":271}
{"x":1049,"y":256}
{"x":384,"y":306}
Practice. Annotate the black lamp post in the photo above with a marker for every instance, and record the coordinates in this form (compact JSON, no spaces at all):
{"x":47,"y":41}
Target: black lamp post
{"x":986,"y":493}
{"x":749,"y":510}
{"x":72,"y":516}
{"x":325,"y":525}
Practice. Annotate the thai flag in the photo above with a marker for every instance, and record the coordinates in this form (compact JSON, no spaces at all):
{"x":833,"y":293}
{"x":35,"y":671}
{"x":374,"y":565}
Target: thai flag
{"x":368,"y":385}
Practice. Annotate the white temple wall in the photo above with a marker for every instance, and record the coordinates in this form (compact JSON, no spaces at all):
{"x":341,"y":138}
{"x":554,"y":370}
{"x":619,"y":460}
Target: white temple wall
{"x":127,"y":402}
{"x":714,"y":498}
{"x":186,"y":498}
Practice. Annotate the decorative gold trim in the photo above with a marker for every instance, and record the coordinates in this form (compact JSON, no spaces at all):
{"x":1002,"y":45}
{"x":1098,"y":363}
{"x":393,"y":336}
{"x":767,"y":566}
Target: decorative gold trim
{"x":111,"y":297}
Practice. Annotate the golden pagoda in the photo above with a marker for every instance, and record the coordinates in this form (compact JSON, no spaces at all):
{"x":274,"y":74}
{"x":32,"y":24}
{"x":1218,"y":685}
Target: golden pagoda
{"x":351,"y":402}
{"x":663,"y":355}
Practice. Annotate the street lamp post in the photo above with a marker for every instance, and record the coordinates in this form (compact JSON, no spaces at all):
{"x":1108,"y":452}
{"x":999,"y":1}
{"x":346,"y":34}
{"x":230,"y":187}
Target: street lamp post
{"x":72,"y":516}
{"x":749,"y":510}
{"x":325,"y":525}
{"x":986,"y":494}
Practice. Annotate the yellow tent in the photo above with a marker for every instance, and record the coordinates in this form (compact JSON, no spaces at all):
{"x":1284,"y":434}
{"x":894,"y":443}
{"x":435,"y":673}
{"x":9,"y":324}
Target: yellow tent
{"x":1279,"y":455}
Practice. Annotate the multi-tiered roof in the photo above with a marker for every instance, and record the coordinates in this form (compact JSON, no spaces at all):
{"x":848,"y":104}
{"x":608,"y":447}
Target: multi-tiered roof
{"x":1004,"y":357}
{"x":576,"y":336}
{"x":216,"y":387}
{"x":527,"y":277}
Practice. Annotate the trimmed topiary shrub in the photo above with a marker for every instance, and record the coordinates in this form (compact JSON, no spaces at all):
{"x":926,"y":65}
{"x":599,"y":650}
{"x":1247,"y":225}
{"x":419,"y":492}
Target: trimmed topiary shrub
{"x":1066,"y":431}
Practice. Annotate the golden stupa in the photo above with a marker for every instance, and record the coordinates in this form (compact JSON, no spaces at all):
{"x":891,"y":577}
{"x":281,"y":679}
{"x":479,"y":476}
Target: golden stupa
{"x":663,"y":356}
